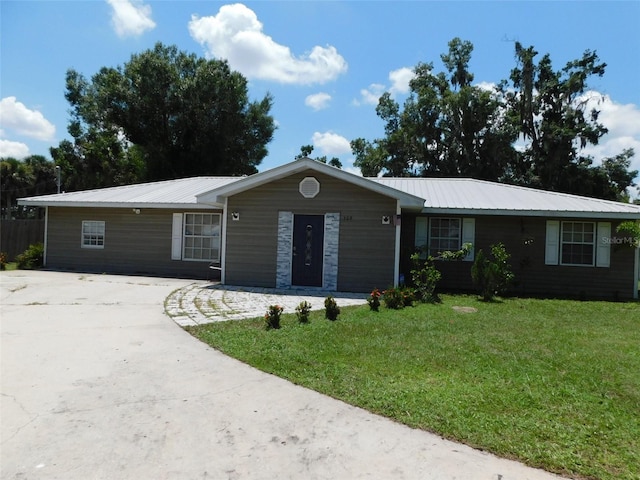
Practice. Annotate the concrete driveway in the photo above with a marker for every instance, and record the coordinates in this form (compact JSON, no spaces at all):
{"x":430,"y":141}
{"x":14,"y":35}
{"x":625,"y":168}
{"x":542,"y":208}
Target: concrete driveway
{"x":98,"y":383}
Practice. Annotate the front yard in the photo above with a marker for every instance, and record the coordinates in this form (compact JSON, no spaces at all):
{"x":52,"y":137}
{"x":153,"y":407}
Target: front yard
{"x":552,"y":383}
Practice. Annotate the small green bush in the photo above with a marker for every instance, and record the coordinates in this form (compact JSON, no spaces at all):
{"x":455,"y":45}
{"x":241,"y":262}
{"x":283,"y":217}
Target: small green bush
{"x":393,"y":298}
{"x":374,"y":300}
{"x":408,"y":296}
{"x":331,"y":308}
{"x":302,"y":311}
{"x":630,"y":233}
{"x":425,"y":277}
{"x":492,"y":276}
{"x":32,"y":257}
{"x":272,"y":317}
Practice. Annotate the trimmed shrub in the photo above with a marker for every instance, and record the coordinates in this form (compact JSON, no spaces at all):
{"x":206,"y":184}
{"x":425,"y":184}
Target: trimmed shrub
{"x":331,"y":308}
{"x":425,"y":277}
{"x":32,"y":257}
{"x":302,"y":311}
{"x":393,"y":298}
{"x":408,"y":296}
{"x":492,"y":276}
{"x":374,"y":300}
{"x":272,"y":317}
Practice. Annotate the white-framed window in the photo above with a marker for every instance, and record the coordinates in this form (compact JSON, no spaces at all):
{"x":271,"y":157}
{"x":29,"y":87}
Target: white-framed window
{"x":439,"y":234}
{"x":577,"y":243}
{"x":444,"y":235}
{"x":92,"y":234}
{"x":201,"y":237}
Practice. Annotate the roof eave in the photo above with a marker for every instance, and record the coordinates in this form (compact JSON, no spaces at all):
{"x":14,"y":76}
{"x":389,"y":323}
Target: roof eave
{"x":193,"y":205}
{"x":532,"y":213}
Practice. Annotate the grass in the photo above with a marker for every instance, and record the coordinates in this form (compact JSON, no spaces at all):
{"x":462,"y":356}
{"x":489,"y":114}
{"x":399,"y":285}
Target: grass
{"x":552,"y":383}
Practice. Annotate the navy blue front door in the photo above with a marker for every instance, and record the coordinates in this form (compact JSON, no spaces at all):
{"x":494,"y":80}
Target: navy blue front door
{"x":308,"y":238}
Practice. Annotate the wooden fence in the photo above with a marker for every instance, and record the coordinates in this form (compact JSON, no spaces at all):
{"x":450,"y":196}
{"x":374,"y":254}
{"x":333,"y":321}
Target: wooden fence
{"x":17,"y":235}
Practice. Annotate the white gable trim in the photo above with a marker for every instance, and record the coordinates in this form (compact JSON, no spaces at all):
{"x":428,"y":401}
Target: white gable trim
{"x":217,"y":195}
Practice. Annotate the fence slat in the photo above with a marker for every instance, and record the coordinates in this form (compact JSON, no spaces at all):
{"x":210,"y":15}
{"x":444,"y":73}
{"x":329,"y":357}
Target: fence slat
{"x":17,"y":235}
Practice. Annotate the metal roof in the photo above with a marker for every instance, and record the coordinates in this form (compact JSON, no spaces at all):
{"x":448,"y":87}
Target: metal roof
{"x":469,"y":196}
{"x":462,"y":196}
{"x":165,"y":194}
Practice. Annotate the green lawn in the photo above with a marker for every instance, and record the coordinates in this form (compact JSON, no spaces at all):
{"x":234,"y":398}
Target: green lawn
{"x":552,"y":383}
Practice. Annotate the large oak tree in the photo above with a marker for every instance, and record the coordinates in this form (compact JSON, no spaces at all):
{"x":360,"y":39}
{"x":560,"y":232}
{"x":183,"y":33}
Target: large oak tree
{"x":164,"y":114}
{"x":34,"y":175}
{"x":450,"y":127}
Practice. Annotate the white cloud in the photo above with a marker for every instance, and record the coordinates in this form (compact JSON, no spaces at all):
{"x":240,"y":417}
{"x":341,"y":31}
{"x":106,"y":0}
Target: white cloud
{"x":13,"y":149}
{"x":236,"y":34}
{"x":623,"y":123}
{"x":371,"y":94}
{"x":488,"y":86}
{"x":17,"y":117}
{"x":622,"y":120}
{"x":330,"y":143}
{"x":130,"y":18}
{"x":318,"y":101}
{"x":400,"y":80}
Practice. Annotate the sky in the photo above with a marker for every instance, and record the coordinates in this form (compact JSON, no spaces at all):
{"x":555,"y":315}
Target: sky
{"x":325,"y":63}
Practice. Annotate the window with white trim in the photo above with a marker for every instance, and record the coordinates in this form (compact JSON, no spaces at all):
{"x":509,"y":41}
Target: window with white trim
{"x":92,"y":234}
{"x":577,"y":243}
{"x":439,"y":234}
{"x":201,"y":237}
{"x":444,"y":235}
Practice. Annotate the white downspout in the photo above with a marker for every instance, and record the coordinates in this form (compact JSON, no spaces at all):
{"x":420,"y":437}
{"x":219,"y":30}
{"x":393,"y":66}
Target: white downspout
{"x":223,"y":240}
{"x":46,"y":235}
{"x":396,"y":267}
{"x":636,"y":276}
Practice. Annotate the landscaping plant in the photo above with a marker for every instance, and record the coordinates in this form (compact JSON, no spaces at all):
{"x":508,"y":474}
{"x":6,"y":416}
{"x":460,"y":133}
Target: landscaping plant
{"x":630,"y":233}
{"x":272,"y":317}
{"x":302,"y":312}
{"x":393,"y":298}
{"x":425,"y":277}
{"x":331,"y":308}
{"x":32,"y":257}
{"x":374,"y":300}
{"x":492,"y":275}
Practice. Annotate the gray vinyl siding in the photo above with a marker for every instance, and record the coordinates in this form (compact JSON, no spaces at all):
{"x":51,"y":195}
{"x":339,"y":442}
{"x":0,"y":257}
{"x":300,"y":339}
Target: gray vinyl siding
{"x":532,"y":276}
{"x":134,"y":244}
{"x":366,"y":246}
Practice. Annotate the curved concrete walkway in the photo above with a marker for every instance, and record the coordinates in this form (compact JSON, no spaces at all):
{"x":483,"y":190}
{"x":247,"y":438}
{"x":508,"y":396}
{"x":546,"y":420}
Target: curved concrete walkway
{"x":200,"y":303}
{"x":98,"y":383}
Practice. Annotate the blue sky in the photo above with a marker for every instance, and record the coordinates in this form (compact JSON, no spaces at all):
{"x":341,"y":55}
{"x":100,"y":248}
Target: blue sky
{"x":324,"y":62}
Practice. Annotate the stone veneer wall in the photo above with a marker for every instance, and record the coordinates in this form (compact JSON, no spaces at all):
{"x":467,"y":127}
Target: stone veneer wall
{"x":331,"y":241}
{"x":285,"y":241}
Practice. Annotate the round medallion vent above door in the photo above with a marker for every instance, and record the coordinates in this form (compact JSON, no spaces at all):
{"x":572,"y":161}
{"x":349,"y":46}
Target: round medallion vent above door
{"x":309,"y":187}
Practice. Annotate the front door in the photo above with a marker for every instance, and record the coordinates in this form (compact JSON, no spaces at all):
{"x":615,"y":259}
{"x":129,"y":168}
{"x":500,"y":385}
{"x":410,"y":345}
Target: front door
{"x":308,"y":239}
